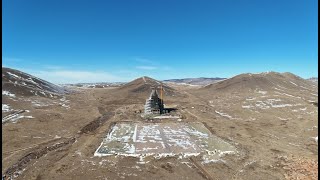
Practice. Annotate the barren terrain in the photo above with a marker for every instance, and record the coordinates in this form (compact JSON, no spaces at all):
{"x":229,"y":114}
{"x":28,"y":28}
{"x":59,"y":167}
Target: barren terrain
{"x":268,"y":120}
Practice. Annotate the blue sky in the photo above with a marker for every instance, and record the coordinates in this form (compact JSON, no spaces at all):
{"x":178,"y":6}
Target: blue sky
{"x":119,"y":40}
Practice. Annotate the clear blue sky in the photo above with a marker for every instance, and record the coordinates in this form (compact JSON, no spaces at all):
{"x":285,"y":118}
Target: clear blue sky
{"x":118,"y":40}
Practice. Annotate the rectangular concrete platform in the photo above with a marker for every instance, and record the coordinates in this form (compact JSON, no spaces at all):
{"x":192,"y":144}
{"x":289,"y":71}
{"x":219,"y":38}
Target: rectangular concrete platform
{"x":133,"y":139}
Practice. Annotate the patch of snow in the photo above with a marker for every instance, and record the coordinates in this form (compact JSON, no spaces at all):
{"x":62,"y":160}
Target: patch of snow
{"x":91,"y":162}
{"x":162,"y":155}
{"x":249,"y":163}
{"x":262,"y":105}
{"x":313,"y":127}
{"x":247,"y":106}
{"x":281,"y":105}
{"x":16,"y":117}
{"x":283,"y":119}
{"x":188,"y":164}
{"x":31,"y":80}
{"x":269,"y":103}
{"x":43,"y":93}
{"x":251,"y":119}
{"x":187,"y":155}
{"x":6,"y":108}
{"x":64,"y":105}
{"x":312,"y":112}
{"x":222,"y":153}
{"x":208,"y":160}
{"x":294,"y":144}
{"x":306,"y":88}
{"x":278,"y":89}
{"x":14,"y":75}
{"x":250,"y":99}
{"x":166,"y":117}
{"x":315,"y":138}
{"x":281,"y":87}
{"x":262,"y":92}
{"x":131,"y":149}
{"x":293,"y":83}
{"x":7,"y":93}
{"x":223,"y":114}
{"x":287,"y":94}
{"x":79,"y":153}
{"x":272,"y":135}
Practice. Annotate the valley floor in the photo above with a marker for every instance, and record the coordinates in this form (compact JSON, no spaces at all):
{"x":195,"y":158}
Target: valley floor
{"x":274,"y":139}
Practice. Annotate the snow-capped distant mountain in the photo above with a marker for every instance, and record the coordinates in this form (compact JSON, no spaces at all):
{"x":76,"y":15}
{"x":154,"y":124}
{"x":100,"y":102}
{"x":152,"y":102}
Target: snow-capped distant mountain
{"x":96,"y":85}
{"x":196,"y":81}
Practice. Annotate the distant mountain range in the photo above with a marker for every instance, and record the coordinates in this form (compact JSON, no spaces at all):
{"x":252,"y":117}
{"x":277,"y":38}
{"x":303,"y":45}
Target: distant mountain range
{"x":96,"y":85}
{"x":22,"y":79}
{"x":207,"y":81}
{"x":196,"y":81}
{"x":313,"y":79}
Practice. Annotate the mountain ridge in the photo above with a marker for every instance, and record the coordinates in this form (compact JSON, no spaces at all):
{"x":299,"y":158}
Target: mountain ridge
{"x":22,"y":83}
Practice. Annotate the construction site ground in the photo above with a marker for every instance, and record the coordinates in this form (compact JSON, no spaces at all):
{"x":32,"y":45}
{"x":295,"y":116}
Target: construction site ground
{"x":60,"y":143}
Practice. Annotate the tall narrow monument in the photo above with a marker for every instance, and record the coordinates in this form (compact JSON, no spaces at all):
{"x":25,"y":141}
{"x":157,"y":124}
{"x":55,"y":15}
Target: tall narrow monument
{"x":154,"y":105}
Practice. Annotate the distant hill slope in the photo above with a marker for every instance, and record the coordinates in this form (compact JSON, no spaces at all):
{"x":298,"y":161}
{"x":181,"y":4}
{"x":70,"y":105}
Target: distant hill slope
{"x":196,"y":81}
{"x":138,"y":90}
{"x":313,"y":79}
{"x":266,"y":81}
{"x":96,"y":85}
{"x":144,"y":84}
{"x":268,"y":96}
{"x":20,"y":83}
{"x":268,"y":84}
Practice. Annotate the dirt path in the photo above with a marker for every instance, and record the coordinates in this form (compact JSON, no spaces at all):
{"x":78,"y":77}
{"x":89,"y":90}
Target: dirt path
{"x":202,"y":170}
{"x":22,"y":149}
{"x":197,"y":117}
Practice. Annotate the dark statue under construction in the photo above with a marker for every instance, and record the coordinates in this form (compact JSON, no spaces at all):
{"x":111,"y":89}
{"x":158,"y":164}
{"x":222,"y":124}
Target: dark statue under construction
{"x":154,"y":104}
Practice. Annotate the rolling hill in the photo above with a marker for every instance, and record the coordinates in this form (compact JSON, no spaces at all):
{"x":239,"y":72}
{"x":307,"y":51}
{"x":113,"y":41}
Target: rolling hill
{"x":22,"y":84}
{"x":144,"y":84}
{"x":262,"y":81}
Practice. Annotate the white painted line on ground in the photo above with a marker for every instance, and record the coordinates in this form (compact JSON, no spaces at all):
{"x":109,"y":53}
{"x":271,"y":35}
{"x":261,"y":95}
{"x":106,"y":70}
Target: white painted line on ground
{"x":135,"y":133}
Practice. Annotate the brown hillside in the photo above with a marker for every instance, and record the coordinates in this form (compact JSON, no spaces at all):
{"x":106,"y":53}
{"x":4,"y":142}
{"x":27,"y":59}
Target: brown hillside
{"x":138,"y":90}
{"x":262,"y":81}
{"x":20,"y":83}
{"x":144,"y":84}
